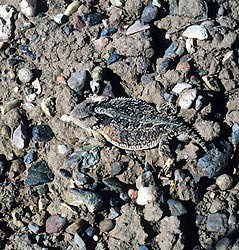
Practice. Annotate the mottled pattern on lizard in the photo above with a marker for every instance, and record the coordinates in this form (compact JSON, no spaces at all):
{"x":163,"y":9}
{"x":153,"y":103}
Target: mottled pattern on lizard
{"x":132,"y":124}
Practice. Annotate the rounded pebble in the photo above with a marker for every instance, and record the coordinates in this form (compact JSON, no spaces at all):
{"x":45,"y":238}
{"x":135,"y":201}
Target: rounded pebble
{"x":65,"y":173}
{"x":186,"y":98}
{"x":25,"y":75}
{"x":72,"y":8}
{"x":224,"y":181}
{"x":55,"y":223}
{"x":196,"y":31}
{"x":223,"y":244}
{"x":90,"y":231}
{"x":42,"y":133}
{"x":235,"y":134}
{"x":149,"y":13}
{"x":179,"y":87}
{"x":106,"y":225}
{"x":28,"y":8}
{"x":78,"y":80}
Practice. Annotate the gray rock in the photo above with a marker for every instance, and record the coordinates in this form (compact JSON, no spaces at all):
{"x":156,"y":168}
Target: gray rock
{"x":223,"y":244}
{"x":81,"y":244}
{"x":153,"y":212}
{"x":79,"y":80}
{"x":149,"y":13}
{"x":33,"y":227}
{"x":106,"y":225}
{"x":224,"y":181}
{"x":176,"y":208}
{"x":217,"y":222}
{"x":235,"y":134}
{"x":20,"y":136}
{"x":78,"y":197}
{"x":117,"y":168}
{"x":195,"y":9}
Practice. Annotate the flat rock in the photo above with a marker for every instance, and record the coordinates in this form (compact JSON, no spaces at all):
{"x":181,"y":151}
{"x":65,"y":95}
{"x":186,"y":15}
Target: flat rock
{"x":137,"y":27}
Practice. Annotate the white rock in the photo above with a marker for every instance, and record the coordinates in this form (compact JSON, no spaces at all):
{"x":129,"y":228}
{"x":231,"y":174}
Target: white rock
{"x":186,"y":98}
{"x":28,"y":7}
{"x":63,"y":149}
{"x":146,"y":195}
{"x":196,"y":31}
{"x":137,"y":27}
{"x":95,"y":86}
{"x":81,"y":244}
{"x":156,"y":3}
{"x":25,"y":75}
{"x":190,"y":46}
{"x":117,"y":3}
{"x":72,"y":8}
{"x":19,"y":137}
{"x":59,"y":18}
{"x":6,"y":25}
{"x":179,"y":87}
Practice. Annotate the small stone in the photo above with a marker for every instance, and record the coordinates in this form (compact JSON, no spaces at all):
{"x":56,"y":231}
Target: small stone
{"x":60,"y":18}
{"x":28,"y":7}
{"x":171,"y":49}
{"x":186,"y":98}
{"x":39,"y":173}
{"x":55,"y":223}
{"x":78,"y":81}
{"x":156,"y":3}
{"x":217,"y":206}
{"x":78,"y":197}
{"x":117,"y":168}
{"x":42,"y":133}
{"x":65,"y":173}
{"x":68,"y":28}
{"x":146,"y":195}
{"x":163,"y":64}
{"x":117,"y":3}
{"x":90,"y":231}
{"x":93,"y":19}
{"x":48,"y":106}
{"x":81,"y":244}
{"x":142,"y":247}
{"x":25,"y":75}
{"x":224,"y":181}
{"x":235,"y":134}
{"x":6,"y":24}
{"x":79,"y":24}
{"x":223,"y":244}
{"x":137,"y":27}
{"x":97,"y":73}
{"x":217,"y":222}
{"x":101,"y":42}
{"x":61,"y":79}
{"x":5,"y":131}
{"x":20,"y":136}
{"x":33,"y":227}
{"x":81,"y":178}
{"x":114,"y":213}
{"x":149,"y":13}
{"x":63,"y":149}
{"x":30,"y":157}
{"x":106,"y":225}
{"x":108,"y":32}
{"x":176,"y":208}
{"x":180,"y":87}
{"x":133,"y":194}
{"x":113,"y":58}
{"x":196,"y":31}
{"x":95,"y":87}
{"x":72,"y":8}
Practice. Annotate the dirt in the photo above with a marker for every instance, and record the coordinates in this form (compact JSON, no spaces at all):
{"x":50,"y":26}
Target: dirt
{"x":40,"y":44}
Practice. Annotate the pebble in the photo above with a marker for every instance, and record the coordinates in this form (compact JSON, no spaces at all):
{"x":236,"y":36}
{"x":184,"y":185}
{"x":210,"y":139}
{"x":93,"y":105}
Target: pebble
{"x":223,"y":244}
{"x":95,"y":87}
{"x":235,"y":134}
{"x":90,"y":231}
{"x":179,"y":87}
{"x":81,"y":244}
{"x":68,"y":28}
{"x":143,"y":247}
{"x":20,"y":136}
{"x":39,"y":173}
{"x":79,"y":24}
{"x":79,"y":80}
{"x":117,"y":3}
{"x":72,"y":8}
{"x":146,"y":195}
{"x":217,"y":222}
{"x":83,"y":159}
{"x":114,"y":213}
{"x":114,"y":184}
{"x":217,"y":206}
{"x":106,"y":225}
{"x":55,"y":223}
{"x":163,"y":64}
{"x":97,"y":74}
{"x":28,"y":7}
{"x":156,"y":3}
{"x":224,"y":181}
{"x":6,"y":24}
{"x":42,"y":133}
{"x":81,"y":178}
{"x":60,"y":18}
{"x":137,"y":27}
{"x":117,"y":168}
{"x":149,"y":13}
{"x":196,"y":31}
{"x":114,"y":57}
{"x":5,"y":131}
{"x":133,"y":194}
{"x":65,"y":173}
{"x":171,"y":49}
{"x":25,"y":75}
{"x":186,"y":98}
{"x":176,"y":207}
{"x":48,"y":106}
{"x":93,"y":19}
{"x":63,"y":149}
{"x":108,"y":32}
{"x":214,"y":161}
{"x":33,"y":227}
{"x":30,"y":157}
{"x":78,"y":197}
{"x":101,"y":42}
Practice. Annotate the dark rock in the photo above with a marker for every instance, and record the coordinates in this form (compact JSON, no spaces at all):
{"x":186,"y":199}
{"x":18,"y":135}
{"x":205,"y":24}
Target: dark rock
{"x":149,"y":13}
{"x":217,"y":222}
{"x":30,"y":157}
{"x":65,"y":173}
{"x":108,"y":32}
{"x":171,"y":49}
{"x":176,"y":208}
{"x":81,"y":178}
{"x":42,"y":133}
{"x":90,"y":231}
{"x":117,"y":168}
{"x":55,"y":223}
{"x":106,"y":225}
{"x":39,"y":173}
{"x":79,"y":80}
{"x":214,"y":161}
{"x":93,"y":19}
{"x":113,"y":58}
{"x":114,"y":184}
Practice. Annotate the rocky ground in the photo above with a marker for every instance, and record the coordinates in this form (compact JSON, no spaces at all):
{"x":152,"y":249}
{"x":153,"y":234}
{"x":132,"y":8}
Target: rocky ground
{"x":60,"y":188}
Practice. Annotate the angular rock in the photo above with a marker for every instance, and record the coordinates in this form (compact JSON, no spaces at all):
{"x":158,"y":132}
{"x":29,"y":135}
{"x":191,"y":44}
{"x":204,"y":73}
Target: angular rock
{"x":137,"y":27}
{"x":42,"y":133}
{"x":149,"y":13}
{"x":6,"y":24}
{"x":20,"y":136}
{"x":55,"y":223}
{"x":217,"y":223}
{"x":79,"y":80}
